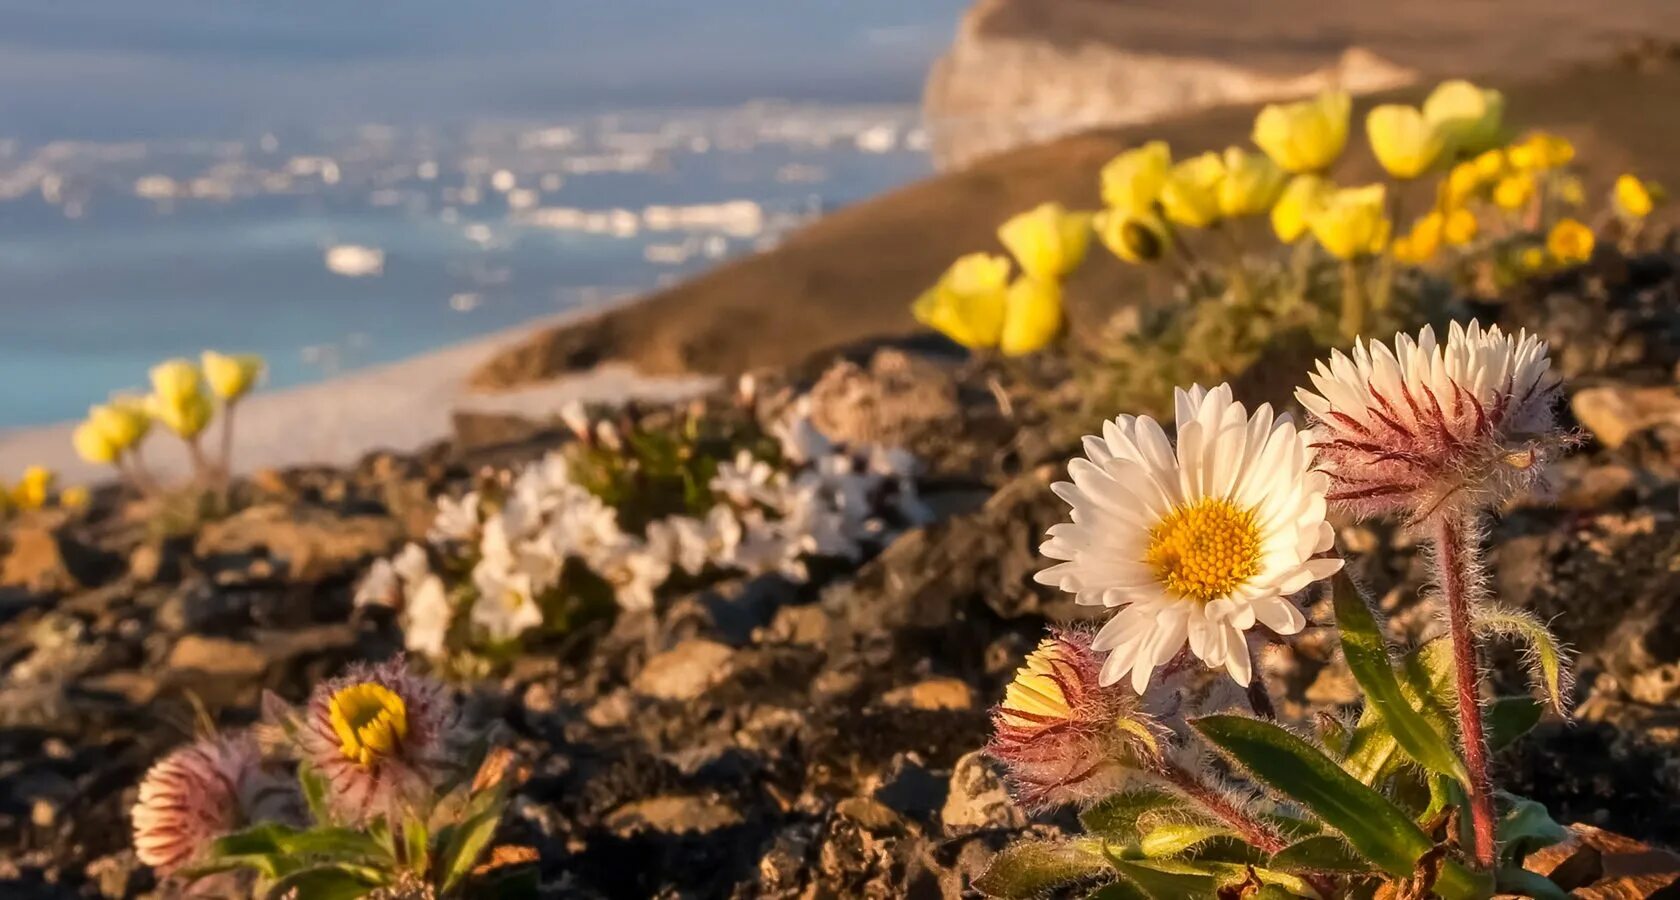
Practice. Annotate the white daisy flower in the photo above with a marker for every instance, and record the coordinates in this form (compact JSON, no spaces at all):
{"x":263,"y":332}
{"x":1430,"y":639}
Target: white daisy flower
{"x":1425,"y":428}
{"x":427,"y":615}
{"x":507,"y":601}
{"x":456,"y":520}
{"x":1196,"y":543}
{"x":745,"y":480}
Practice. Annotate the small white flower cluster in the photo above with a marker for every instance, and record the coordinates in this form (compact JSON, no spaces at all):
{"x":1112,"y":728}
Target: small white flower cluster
{"x":825,"y":501}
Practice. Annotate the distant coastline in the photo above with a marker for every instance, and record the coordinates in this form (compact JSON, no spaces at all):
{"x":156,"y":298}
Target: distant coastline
{"x":400,"y":406}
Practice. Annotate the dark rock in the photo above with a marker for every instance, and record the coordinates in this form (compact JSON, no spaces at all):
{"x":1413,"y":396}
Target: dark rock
{"x":309,"y":543}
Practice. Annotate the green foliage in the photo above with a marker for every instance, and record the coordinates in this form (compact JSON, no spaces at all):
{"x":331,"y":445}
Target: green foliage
{"x":1218,"y":324}
{"x":1028,"y":868}
{"x":1548,"y":668}
{"x":662,"y":465}
{"x":1380,"y":831}
{"x":436,"y":844}
{"x":1367,"y":655}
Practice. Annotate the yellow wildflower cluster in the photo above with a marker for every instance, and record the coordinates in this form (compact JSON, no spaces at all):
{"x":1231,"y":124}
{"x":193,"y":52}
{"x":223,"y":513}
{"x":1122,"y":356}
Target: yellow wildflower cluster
{"x":184,"y":400}
{"x":976,"y":302}
{"x":1497,"y":202}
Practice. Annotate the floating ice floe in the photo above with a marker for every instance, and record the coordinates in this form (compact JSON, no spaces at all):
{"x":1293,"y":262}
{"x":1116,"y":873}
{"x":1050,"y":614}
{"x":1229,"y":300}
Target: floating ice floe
{"x":355,"y":261}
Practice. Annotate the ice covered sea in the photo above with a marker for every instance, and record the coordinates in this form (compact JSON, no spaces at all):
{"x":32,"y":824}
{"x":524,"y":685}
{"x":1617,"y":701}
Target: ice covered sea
{"x":332,"y":251}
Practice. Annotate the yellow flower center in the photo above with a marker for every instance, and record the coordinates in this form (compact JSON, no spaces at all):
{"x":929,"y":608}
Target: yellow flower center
{"x":369,"y":720}
{"x":1035,"y":695}
{"x":1206,"y":550}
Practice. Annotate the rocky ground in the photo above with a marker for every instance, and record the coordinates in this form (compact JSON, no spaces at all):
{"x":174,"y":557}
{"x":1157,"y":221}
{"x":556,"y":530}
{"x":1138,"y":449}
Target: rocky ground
{"x":762,"y":740}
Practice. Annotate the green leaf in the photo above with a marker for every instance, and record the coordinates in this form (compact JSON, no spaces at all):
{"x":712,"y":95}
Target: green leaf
{"x":468,"y":840}
{"x":1509,"y":718}
{"x":1373,"y":751}
{"x":1545,"y":655}
{"x":1525,"y":828}
{"x":1524,"y":883}
{"x":1175,"y":838}
{"x":1119,"y":890}
{"x":267,"y":837}
{"x":1117,"y":816}
{"x":1319,"y":853}
{"x":1157,"y":884}
{"x":416,"y":844}
{"x":1375,"y":827}
{"x":314,"y":786}
{"x":325,"y":883}
{"x":1026,"y":869}
{"x":1367,"y":655}
{"x":334,"y":843}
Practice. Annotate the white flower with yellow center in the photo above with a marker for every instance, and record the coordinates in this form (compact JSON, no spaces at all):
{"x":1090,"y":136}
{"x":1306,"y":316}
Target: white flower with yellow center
{"x":1197,"y":543}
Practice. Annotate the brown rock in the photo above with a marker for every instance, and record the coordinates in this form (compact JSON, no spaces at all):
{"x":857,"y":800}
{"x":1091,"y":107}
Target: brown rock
{"x":217,"y":656}
{"x":931,"y":694}
{"x":870,"y":814}
{"x":685,"y":671}
{"x":1614,"y":413}
{"x":978,"y":798}
{"x":311,"y":542}
{"x":36,"y":562}
{"x":673,"y":814}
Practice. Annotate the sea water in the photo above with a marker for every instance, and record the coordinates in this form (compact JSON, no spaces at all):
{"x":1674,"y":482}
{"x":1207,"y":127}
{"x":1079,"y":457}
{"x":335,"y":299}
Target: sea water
{"x":329,"y":251}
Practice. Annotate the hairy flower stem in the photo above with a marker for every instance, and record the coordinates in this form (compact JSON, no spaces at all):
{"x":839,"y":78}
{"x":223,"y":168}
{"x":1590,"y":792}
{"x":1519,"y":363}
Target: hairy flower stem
{"x":1354,"y":300}
{"x":225,"y":463}
{"x":1217,"y":804}
{"x":1455,"y":557}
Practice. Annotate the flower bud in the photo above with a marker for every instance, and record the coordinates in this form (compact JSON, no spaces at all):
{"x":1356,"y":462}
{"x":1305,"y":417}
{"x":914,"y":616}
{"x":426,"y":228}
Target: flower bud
{"x":1062,"y":736}
{"x":231,"y":377}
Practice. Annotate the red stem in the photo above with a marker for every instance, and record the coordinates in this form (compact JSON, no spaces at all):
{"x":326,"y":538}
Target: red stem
{"x":1221,"y":807}
{"x":1455,"y":551}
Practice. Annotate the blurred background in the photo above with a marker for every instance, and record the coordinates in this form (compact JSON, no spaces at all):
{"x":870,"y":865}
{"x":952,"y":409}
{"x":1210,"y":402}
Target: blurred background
{"x":336,"y":185}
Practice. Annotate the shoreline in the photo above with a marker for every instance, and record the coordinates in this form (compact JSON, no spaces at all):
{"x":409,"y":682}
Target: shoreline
{"x":399,"y":406}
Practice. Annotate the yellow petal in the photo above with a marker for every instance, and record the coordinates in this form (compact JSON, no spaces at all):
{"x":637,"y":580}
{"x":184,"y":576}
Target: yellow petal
{"x":1306,"y":136}
{"x":1033,"y":316}
{"x":92,"y":444}
{"x":1133,"y":179}
{"x":1406,"y":143}
{"x":1470,"y":116}
{"x":231,"y":377}
{"x":1251,"y":185}
{"x":1048,"y":241}
{"x":1301,"y":198}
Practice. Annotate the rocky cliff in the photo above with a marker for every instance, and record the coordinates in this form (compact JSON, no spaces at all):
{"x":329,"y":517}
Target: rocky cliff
{"x":1024,"y":71}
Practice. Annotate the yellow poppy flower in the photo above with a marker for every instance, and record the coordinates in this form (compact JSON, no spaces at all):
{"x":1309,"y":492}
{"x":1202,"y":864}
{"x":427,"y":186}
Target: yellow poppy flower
{"x":124,"y":421}
{"x":93,"y":444}
{"x":1462,"y":183}
{"x":74,"y":497}
{"x":1305,"y":136}
{"x":1251,"y":184}
{"x":1135,"y":238}
{"x":1540,"y":151}
{"x":1514,"y":191}
{"x":1633,"y":197}
{"x":1406,"y":143}
{"x":1422,"y":243}
{"x":1531,"y":259}
{"x":1303,"y":195}
{"x":1570,"y":242}
{"x":187,"y":416}
{"x":1133,"y":179}
{"x":1491,"y":164}
{"x":231,"y":377}
{"x":1469,"y":115}
{"x":1351,"y":222}
{"x":1032,"y":316}
{"x":967,"y":303}
{"x":33,"y":489}
{"x":1190,"y":196}
{"x":1460,"y":227}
